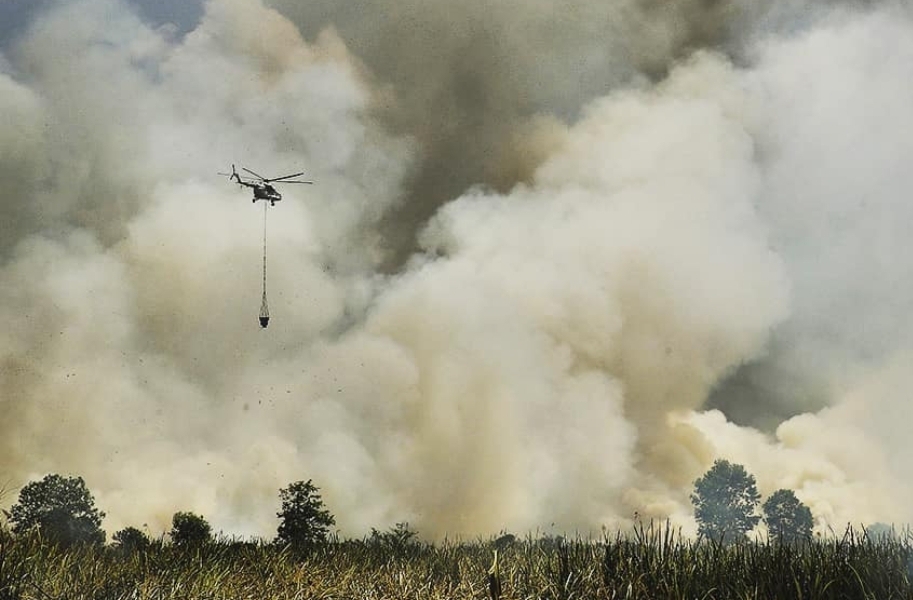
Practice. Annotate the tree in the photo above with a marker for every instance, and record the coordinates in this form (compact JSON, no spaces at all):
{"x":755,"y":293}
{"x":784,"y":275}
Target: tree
{"x":398,"y":538}
{"x":61,"y":508}
{"x":788,"y":520}
{"x":304,"y":522}
{"x":188,"y":529}
{"x":131,"y":539}
{"x":725,"y":500}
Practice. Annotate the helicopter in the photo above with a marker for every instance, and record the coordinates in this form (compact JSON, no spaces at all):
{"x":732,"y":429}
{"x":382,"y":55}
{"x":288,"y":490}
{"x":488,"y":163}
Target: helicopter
{"x":263,"y":189}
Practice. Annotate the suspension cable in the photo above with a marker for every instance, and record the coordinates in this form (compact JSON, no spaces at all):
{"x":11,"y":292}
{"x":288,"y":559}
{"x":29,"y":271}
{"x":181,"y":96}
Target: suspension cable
{"x":264,"y":306}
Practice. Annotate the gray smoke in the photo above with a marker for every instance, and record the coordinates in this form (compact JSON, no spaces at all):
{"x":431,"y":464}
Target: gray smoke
{"x":557,"y":260}
{"x":473,"y":80}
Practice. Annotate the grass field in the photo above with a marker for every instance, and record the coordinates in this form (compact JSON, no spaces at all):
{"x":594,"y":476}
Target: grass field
{"x":650,"y":563}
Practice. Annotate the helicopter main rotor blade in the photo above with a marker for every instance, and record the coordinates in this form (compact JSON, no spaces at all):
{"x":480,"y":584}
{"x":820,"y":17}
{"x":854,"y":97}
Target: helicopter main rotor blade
{"x":285,"y":177}
{"x":308,"y":182}
{"x":236,"y":177}
{"x":260,"y":177}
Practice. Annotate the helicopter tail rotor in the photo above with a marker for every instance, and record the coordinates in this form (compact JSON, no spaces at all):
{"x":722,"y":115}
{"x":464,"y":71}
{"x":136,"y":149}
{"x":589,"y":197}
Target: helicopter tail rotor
{"x":233,"y":176}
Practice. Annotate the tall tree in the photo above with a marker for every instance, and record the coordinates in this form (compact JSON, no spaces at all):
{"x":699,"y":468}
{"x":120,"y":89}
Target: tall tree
{"x":788,"y":520}
{"x":725,"y":499}
{"x":61,"y":508}
{"x":304,"y":522}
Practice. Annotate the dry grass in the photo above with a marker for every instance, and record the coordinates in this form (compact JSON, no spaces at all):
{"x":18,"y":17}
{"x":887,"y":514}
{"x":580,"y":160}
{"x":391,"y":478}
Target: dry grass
{"x":651,"y":563}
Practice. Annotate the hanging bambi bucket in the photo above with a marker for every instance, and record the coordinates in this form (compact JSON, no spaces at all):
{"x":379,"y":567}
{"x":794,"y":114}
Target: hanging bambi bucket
{"x":264,"y":312}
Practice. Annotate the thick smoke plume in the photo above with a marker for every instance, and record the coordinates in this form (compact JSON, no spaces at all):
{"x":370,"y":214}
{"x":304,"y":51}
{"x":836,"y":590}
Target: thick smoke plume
{"x":558,"y":259}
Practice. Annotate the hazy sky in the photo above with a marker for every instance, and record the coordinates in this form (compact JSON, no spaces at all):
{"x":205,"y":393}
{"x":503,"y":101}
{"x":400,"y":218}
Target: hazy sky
{"x":15,"y":15}
{"x":559,"y":257}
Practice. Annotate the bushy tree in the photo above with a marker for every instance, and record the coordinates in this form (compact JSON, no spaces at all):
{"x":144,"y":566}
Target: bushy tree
{"x":188,"y":529}
{"x":504,"y":540}
{"x":788,"y":520}
{"x":131,"y":539}
{"x":725,"y":499}
{"x":61,"y":508}
{"x":304,"y":522}
{"x":398,"y":538}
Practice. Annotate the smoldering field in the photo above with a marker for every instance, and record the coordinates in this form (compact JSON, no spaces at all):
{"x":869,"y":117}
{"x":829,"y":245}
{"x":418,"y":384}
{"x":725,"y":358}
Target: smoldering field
{"x":558,"y":259}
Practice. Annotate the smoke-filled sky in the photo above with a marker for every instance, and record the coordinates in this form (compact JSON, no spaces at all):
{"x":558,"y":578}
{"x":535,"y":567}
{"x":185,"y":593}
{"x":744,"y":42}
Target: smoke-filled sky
{"x":558,"y":259}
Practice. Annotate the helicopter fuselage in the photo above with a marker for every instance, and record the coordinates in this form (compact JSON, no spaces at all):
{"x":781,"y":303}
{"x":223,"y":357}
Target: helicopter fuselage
{"x":266,"y":192}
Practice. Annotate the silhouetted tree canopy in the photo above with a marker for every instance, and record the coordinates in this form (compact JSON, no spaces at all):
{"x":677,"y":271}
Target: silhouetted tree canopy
{"x":787,"y":519}
{"x":61,"y":508}
{"x":398,"y":538}
{"x":725,"y":500}
{"x":304,"y":522}
{"x":131,"y":539}
{"x":188,"y":529}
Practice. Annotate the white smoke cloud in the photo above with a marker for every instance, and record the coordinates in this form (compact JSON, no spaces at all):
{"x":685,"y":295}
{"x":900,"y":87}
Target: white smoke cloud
{"x":160,"y":253}
{"x":832,"y":138}
{"x":545,"y":357}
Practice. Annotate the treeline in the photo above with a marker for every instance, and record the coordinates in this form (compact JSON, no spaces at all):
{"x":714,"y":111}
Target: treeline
{"x":61,"y":511}
{"x":726,"y":507}
{"x":52,"y":547}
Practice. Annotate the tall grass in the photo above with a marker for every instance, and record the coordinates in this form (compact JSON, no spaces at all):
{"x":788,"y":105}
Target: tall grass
{"x":653,"y":562}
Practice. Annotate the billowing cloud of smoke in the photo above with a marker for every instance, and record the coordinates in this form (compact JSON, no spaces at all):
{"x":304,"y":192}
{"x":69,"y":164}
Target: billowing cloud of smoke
{"x":678,"y":228}
{"x":473,"y":80}
{"x":836,"y":203}
{"x":837,"y":206}
{"x":116,"y":304}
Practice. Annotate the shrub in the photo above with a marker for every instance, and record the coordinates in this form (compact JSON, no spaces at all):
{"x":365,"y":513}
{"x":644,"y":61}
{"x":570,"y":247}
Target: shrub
{"x":131,"y":539}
